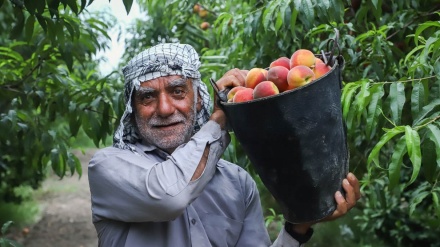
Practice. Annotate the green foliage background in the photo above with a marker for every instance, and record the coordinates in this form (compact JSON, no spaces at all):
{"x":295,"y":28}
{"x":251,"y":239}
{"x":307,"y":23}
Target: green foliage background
{"x":51,"y":91}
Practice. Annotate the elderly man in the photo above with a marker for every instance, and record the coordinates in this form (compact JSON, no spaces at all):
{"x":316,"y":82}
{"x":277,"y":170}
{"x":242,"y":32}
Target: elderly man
{"x":163,"y":182}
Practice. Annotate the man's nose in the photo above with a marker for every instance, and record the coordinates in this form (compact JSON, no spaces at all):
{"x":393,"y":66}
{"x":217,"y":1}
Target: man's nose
{"x":165,"y":105}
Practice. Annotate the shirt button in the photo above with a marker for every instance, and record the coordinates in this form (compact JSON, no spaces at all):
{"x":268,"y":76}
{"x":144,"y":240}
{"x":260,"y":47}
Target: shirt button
{"x":221,"y":144}
{"x":193,"y":221}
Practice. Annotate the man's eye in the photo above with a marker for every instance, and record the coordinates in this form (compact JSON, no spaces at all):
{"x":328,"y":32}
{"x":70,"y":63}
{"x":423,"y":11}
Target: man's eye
{"x":147,"y":96}
{"x":177,"y":92}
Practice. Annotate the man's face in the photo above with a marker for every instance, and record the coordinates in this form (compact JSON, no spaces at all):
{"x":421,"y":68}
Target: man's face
{"x":164,"y":111}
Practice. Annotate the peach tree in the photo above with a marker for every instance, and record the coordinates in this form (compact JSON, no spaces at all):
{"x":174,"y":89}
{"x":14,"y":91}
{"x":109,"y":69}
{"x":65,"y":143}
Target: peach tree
{"x":389,"y":100}
{"x":50,"y":89}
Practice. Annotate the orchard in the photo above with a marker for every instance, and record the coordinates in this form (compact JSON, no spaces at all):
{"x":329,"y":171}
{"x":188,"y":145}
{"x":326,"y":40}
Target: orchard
{"x":52,"y":94}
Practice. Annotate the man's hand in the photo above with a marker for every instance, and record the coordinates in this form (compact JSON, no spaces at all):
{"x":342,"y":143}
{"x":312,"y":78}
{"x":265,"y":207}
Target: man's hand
{"x":352,"y":195}
{"x":232,"y":78}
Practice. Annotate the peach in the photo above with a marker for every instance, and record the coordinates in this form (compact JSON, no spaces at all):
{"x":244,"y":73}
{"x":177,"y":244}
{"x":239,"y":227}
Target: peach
{"x":255,"y":76}
{"x":203,"y":12}
{"x":282,"y":61}
{"x":196,"y":8}
{"x":233,"y":91}
{"x":278,"y":75}
{"x":299,"y":76}
{"x":204,"y":25}
{"x":302,"y":57}
{"x":243,"y":95}
{"x":318,"y":61}
{"x":320,"y":70}
{"x":264,"y":89}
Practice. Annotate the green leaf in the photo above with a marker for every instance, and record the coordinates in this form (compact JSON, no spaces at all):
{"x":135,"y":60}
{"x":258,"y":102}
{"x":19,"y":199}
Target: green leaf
{"x":31,"y":6}
{"x":60,"y":33}
{"x":5,"y":51}
{"x":40,"y":6}
{"x":375,"y":3}
{"x":396,"y":163}
{"x":417,"y":98}
{"x":1,"y":3}
{"x":307,"y":10}
{"x":6,"y":226}
{"x":293,"y":18}
{"x":83,"y":5}
{"x":397,"y":100}
{"x":436,"y":203}
{"x":279,"y":22}
{"x":56,"y":162}
{"x":389,"y":134}
{"x":422,"y":27}
{"x":42,"y":21}
{"x":417,"y":200}
{"x":73,"y":5}
{"x":70,"y":30}
{"x":19,"y":23}
{"x":411,"y":55}
{"x":431,"y":159}
{"x":362,"y":99}
{"x":127,"y":4}
{"x":378,"y":10}
{"x":267,"y":15}
{"x":67,"y":57}
{"x":433,"y":106}
{"x":74,"y":124}
{"x":415,"y":155}
{"x":29,"y":28}
{"x":374,"y":108}
{"x":347,"y":94}
{"x":435,"y":137}
{"x":53,"y":8}
{"x":78,"y":166}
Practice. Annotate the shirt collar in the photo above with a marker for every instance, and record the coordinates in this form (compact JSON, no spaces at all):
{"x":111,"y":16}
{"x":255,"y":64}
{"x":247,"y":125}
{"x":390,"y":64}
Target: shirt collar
{"x":149,"y":148}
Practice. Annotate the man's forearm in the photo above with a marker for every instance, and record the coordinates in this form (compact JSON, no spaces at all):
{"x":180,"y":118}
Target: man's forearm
{"x":202,"y":164}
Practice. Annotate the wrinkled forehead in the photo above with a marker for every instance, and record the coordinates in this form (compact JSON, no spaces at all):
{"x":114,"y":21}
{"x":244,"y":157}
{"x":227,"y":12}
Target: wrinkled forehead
{"x":165,"y":82}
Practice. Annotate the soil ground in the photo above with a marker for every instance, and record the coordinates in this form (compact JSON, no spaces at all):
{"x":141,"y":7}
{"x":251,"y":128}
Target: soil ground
{"x":66,"y":214}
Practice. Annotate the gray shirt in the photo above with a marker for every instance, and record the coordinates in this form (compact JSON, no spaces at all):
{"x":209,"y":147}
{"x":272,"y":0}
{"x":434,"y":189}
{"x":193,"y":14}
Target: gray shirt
{"x":147,"y":199}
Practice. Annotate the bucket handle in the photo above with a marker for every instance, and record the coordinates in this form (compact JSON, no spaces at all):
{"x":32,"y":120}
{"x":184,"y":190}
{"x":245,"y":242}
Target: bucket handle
{"x":335,"y":43}
{"x":335,"y":48}
{"x":222,"y":95}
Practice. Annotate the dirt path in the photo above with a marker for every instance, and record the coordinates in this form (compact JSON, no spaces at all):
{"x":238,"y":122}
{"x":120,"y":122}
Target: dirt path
{"x":66,"y":219}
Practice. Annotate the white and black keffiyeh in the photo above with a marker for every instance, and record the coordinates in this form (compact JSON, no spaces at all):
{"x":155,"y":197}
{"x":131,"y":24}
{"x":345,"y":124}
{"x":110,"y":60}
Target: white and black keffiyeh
{"x":157,"y":61}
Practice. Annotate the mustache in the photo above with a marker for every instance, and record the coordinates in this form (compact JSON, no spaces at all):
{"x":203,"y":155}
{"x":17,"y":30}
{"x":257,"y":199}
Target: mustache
{"x":158,"y":121}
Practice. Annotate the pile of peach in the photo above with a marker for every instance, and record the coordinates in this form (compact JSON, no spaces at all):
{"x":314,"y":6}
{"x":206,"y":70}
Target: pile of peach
{"x":283,"y":74}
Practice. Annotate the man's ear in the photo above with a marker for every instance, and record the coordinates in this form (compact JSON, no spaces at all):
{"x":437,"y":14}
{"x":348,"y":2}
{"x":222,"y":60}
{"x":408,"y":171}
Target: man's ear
{"x":199,"y":102}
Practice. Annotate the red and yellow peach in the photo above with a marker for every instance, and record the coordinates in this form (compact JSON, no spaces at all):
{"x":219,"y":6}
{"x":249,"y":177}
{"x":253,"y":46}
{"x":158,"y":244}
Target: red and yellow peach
{"x":282,"y":61}
{"x":302,"y":57}
{"x":278,"y":75}
{"x":255,"y":76}
{"x":299,"y":76}
{"x":243,"y":95}
{"x":264,"y":89}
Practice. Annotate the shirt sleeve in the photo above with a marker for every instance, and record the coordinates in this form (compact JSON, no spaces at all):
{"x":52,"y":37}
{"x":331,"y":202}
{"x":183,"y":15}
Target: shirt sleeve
{"x":253,"y":225}
{"x":285,"y":240}
{"x":134,"y":188}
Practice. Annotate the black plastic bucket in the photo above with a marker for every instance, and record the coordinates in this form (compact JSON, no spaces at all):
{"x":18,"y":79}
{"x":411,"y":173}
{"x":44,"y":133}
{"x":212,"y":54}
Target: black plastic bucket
{"x":296,"y":141}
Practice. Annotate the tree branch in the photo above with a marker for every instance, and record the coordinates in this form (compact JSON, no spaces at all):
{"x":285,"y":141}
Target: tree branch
{"x":92,"y":110}
{"x":412,"y":21}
